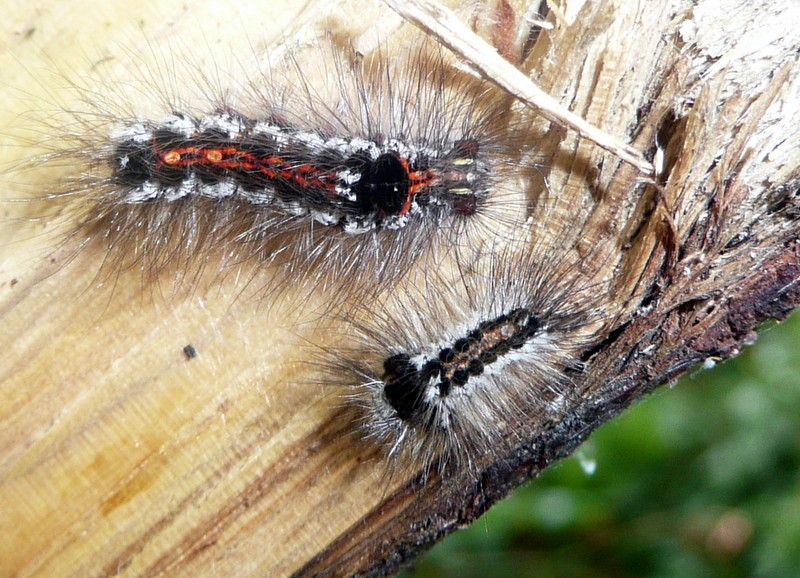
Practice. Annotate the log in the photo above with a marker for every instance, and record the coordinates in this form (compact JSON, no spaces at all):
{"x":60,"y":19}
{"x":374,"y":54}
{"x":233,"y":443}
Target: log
{"x":126,"y":452}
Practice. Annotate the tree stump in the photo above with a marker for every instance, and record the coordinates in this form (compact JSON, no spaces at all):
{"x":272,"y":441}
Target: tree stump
{"x":150,"y":431}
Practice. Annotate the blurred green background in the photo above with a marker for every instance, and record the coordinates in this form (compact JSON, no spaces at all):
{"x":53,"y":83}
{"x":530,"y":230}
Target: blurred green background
{"x":702,"y":479}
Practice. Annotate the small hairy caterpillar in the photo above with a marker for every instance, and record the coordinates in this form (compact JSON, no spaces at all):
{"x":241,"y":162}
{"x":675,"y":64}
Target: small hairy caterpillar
{"x":440,"y":377}
{"x":343,"y":176}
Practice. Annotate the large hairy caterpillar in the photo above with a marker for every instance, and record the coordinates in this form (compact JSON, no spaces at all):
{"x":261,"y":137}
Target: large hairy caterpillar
{"x":342,"y":175}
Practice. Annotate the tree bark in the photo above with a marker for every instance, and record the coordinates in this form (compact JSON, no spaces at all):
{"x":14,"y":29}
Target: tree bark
{"x":122,"y":455}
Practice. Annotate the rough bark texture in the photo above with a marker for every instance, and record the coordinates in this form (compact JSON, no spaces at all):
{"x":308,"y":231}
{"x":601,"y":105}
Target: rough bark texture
{"x":120,"y":457}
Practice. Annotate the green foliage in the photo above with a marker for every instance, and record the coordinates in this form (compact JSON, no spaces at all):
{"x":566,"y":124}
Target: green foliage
{"x":699,"y":480}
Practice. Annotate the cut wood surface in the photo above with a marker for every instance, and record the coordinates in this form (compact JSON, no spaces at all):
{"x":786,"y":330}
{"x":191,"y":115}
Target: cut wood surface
{"x":122,"y":455}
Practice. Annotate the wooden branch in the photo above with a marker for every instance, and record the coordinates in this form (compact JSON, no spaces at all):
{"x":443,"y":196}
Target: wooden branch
{"x":121,"y":455}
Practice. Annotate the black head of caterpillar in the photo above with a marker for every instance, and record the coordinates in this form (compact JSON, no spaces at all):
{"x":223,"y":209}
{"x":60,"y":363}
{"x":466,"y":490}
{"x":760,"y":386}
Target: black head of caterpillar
{"x":341,"y":179}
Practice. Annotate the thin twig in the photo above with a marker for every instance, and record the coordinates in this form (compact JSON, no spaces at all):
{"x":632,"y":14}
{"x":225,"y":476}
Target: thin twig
{"x":450,"y":31}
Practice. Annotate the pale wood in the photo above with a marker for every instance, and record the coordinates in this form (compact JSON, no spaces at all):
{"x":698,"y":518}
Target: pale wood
{"x":119,"y":456}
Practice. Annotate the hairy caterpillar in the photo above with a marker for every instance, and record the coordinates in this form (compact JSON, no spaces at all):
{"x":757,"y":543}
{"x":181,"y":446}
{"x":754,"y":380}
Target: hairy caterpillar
{"x":352,"y":183}
{"x":439,"y":377}
{"x":344,"y":175}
